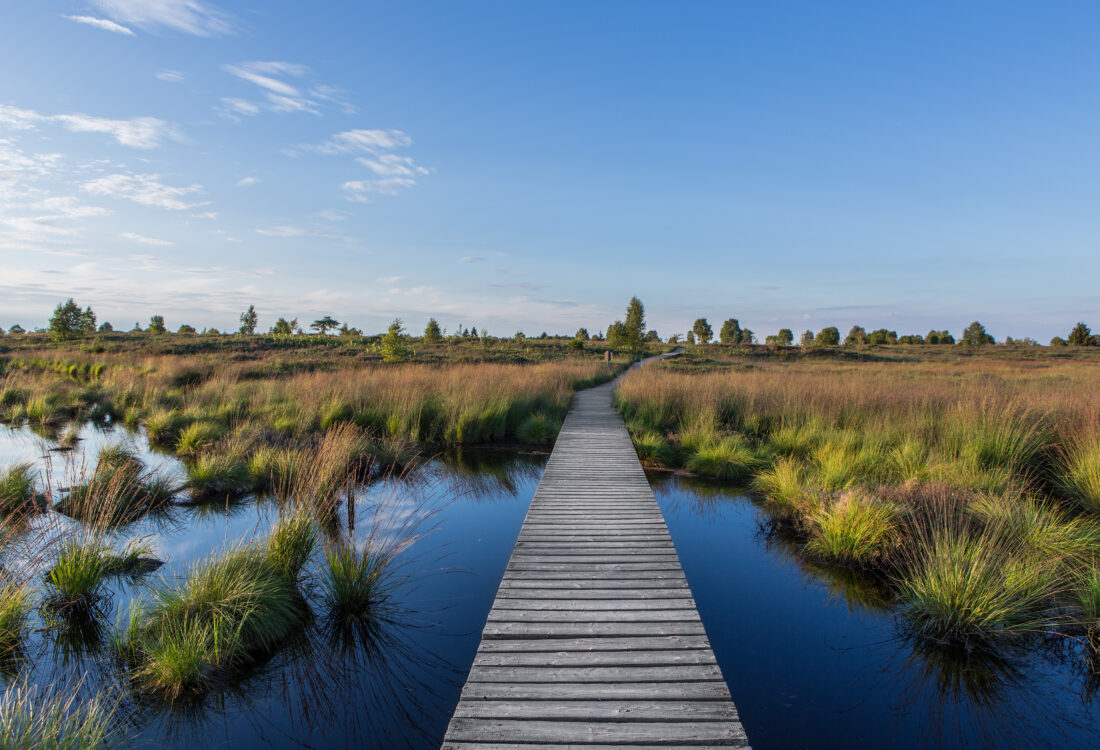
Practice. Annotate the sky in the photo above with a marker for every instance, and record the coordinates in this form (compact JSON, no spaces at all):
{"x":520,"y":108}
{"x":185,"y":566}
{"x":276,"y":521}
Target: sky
{"x":532,"y":164}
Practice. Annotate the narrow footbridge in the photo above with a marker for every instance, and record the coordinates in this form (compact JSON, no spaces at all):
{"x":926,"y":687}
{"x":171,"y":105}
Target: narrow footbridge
{"x":594,"y":640}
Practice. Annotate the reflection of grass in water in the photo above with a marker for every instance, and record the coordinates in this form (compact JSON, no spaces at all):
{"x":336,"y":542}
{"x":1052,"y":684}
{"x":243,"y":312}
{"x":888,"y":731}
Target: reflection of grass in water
{"x":485,"y":475}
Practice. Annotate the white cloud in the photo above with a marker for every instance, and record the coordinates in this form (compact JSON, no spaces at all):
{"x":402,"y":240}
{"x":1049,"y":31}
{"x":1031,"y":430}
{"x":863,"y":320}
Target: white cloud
{"x":291,"y":231}
{"x":281,"y":95}
{"x":170,"y":76}
{"x":235,"y":107}
{"x":370,"y":141}
{"x":143,"y":240}
{"x":358,"y":191}
{"x":137,"y":132}
{"x":102,"y":23}
{"x":145,"y":189}
{"x":247,"y":181}
{"x":471,"y":259}
{"x":189,"y":16}
{"x":392,"y":165}
{"x":331,"y":214}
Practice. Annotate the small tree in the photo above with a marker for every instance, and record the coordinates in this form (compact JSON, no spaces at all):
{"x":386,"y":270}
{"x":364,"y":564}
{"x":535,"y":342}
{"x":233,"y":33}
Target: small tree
{"x":807,"y":339}
{"x":882,"y":336}
{"x":747,"y":336}
{"x":106,"y":327}
{"x":857,"y":336}
{"x":785,"y":337}
{"x":432,"y":332}
{"x":702,"y":330}
{"x":690,"y":338}
{"x":348,"y":332}
{"x":87,"y":322}
{"x":186,"y":330}
{"x":394,"y":346}
{"x":976,"y":335}
{"x":15,"y":330}
{"x":324,"y":325}
{"x":829,"y":336}
{"x":1058,"y":341}
{"x":67,"y":321}
{"x":730,"y":332}
{"x":249,"y":319}
{"x":156,"y":325}
{"x":581,"y":335}
{"x":284,"y":327}
{"x":651,"y":336}
{"x":1080,"y":335}
{"x":674,"y":338}
{"x":617,"y":337}
{"x":634,"y":325}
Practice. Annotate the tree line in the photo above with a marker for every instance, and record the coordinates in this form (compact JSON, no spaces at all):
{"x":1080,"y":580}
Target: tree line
{"x":70,"y":321}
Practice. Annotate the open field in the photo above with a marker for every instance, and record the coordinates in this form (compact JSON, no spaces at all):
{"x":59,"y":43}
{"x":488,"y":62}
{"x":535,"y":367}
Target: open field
{"x":968,"y":484}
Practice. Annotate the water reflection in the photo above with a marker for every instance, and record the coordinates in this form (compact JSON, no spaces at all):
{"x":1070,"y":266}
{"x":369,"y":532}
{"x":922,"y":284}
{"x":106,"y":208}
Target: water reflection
{"x":387,"y":682}
{"x":816,"y":657}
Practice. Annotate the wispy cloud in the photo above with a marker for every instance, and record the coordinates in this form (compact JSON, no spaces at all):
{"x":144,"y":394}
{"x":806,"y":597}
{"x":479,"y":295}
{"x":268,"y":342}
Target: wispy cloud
{"x":102,"y":23}
{"x":137,"y":132}
{"x":188,"y":16}
{"x":393,"y":172}
{"x":143,"y":240}
{"x":283,"y":90}
{"x":145,"y":189}
{"x":292,"y":231}
{"x":170,"y":76}
{"x":247,"y":181}
{"x":234,"y":109}
{"x":471,"y":259}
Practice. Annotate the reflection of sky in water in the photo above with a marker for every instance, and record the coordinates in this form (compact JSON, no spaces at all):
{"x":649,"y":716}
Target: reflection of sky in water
{"x":815,"y":658}
{"x":813,"y":655}
{"x":393,"y":688}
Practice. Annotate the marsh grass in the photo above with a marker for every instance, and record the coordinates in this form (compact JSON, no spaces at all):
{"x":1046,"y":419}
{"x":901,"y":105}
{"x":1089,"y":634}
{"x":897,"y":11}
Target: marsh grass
{"x":17,"y":494}
{"x":36,"y":719}
{"x":15,"y":608}
{"x":227,"y":612}
{"x":1080,"y":479}
{"x":855,"y":529}
{"x":965,"y":580}
{"x":355,"y":584}
{"x":218,"y":476}
{"x":119,"y":491}
{"x":77,"y":575}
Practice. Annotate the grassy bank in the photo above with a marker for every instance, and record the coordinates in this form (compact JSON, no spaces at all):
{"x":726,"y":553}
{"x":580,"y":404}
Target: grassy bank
{"x":967,"y":485}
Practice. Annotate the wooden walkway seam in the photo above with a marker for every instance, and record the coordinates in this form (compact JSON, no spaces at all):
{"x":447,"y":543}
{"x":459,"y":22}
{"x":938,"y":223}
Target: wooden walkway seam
{"x":594,"y":640}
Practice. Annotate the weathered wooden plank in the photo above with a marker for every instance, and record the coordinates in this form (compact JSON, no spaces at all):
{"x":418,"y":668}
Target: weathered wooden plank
{"x":496,"y":730}
{"x":619,"y":674}
{"x":495,"y":629}
{"x":596,"y":645}
{"x":586,"y":605}
{"x":628,"y":658}
{"x":684,"y":691}
{"x":599,"y":710}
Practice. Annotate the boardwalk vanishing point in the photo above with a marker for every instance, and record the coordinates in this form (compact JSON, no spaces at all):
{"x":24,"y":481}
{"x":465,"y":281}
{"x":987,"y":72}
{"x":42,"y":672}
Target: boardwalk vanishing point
{"x":594,"y":640}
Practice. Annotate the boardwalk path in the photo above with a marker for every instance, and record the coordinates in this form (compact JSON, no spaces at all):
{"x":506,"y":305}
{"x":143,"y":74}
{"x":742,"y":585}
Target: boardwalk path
{"x":594,"y":639}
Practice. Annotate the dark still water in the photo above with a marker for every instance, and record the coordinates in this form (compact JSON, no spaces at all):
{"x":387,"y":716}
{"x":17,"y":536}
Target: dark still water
{"x":814,"y":656}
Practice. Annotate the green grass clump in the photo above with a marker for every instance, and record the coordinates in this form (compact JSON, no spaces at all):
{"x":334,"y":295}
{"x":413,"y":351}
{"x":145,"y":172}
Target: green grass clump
{"x":15,"y":607}
{"x":652,"y":448}
{"x":197,"y":436}
{"x":77,"y":574}
{"x":1080,"y":477}
{"x":17,"y":496}
{"x":854,"y":530}
{"x":119,"y":491}
{"x":786,"y":487}
{"x":968,"y":581}
{"x":229,"y":611}
{"x":163,"y":427}
{"x":218,"y":475}
{"x":730,"y":458}
{"x":32,"y":720}
{"x":537,"y":429}
{"x":355,"y":584}
{"x":291,"y":544}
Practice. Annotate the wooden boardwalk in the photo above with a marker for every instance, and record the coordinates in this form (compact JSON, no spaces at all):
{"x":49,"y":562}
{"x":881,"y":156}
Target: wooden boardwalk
{"x":594,"y":640}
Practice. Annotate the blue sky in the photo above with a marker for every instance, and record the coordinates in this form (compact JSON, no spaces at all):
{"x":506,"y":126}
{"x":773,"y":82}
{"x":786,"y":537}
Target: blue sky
{"x":531,"y":165}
